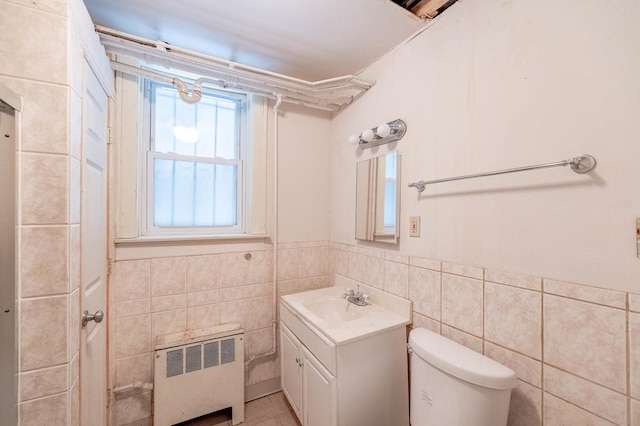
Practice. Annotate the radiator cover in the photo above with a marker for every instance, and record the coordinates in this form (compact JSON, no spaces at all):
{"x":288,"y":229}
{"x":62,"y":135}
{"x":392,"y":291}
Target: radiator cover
{"x":198,"y":372}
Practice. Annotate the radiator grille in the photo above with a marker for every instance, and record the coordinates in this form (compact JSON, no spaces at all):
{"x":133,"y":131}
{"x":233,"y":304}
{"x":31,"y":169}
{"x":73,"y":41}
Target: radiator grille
{"x":194,"y":358}
{"x":228,"y":351}
{"x":174,"y":363}
{"x":211,"y":356}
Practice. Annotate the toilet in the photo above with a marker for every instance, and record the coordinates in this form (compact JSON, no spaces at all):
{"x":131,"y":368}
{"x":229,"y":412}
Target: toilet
{"x":452,"y":385}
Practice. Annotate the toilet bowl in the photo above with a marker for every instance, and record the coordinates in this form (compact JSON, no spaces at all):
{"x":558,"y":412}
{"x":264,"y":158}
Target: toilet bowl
{"x":452,"y":385}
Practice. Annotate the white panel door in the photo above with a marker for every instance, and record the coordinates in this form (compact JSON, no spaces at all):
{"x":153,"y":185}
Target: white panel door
{"x":93,"y":228}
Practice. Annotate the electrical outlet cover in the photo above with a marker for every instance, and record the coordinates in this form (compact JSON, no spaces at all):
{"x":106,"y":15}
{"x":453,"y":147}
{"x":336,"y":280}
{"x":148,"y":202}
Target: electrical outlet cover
{"x":414,"y":226}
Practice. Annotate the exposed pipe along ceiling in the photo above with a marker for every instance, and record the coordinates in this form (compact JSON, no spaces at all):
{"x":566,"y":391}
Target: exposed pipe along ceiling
{"x":330,"y":94}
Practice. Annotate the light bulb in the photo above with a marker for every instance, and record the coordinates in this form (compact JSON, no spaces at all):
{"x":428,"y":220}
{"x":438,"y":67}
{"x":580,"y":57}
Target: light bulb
{"x":367,"y":135}
{"x":383,"y":130}
{"x":354,"y":139}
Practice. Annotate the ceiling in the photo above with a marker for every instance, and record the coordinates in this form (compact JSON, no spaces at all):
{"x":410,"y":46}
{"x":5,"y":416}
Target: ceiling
{"x":310,"y":39}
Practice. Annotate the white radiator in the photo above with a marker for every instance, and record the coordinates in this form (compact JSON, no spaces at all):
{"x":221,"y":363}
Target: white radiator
{"x":198,"y":372}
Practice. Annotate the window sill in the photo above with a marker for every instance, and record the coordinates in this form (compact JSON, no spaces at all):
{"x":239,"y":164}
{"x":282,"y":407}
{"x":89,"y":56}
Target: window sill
{"x":177,"y":240}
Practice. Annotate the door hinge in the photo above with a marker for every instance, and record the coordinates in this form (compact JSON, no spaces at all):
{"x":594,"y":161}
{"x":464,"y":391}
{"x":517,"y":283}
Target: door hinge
{"x":109,"y":266}
{"x":109,"y":135}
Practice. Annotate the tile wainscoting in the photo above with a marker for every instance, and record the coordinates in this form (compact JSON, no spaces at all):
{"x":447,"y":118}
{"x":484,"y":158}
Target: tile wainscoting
{"x":154,"y":296}
{"x":575,"y":348}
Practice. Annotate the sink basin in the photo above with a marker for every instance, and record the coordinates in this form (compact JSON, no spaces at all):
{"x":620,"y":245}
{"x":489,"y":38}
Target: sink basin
{"x":340,"y":321}
{"x":336,"y":309}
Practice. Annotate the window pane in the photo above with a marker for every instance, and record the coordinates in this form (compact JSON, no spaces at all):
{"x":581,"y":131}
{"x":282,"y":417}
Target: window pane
{"x":225,"y":208}
{"x":226,"y":132}
{"x":208,"y":128}
{"x":164,"y":120}
{"x":190,"y":193}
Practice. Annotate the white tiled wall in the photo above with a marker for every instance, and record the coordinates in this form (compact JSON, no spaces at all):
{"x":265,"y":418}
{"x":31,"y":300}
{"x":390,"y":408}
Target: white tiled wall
{"x":44,"y":66}
{"x":567,"y":343}
{"x":36,"y":68}
{"x":154,"y":296}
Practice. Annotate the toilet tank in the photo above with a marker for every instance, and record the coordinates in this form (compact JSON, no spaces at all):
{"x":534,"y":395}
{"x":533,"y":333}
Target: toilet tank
{"x":454,"y":386}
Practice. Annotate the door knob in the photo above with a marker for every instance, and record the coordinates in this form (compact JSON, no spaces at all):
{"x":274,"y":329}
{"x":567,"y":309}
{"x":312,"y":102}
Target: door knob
{"x":97,"y":317}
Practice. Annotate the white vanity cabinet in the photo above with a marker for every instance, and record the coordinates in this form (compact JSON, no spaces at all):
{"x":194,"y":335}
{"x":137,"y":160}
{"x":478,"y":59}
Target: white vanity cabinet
{"x":348,"y":373}
{"x":310,"y":388}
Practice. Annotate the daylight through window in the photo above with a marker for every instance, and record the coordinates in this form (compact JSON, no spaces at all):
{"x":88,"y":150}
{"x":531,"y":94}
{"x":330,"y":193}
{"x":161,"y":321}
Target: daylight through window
{"x":195,"y":164}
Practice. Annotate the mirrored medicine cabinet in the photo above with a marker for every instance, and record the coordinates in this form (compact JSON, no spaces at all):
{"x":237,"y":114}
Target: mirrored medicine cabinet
{"x":378,"y":199}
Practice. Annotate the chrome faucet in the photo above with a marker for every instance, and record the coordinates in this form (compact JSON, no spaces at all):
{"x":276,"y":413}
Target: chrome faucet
{"x":356,"y":297}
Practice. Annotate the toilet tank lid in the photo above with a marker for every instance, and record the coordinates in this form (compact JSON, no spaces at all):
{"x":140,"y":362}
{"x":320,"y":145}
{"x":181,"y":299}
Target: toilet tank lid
{"x":460,"y":361}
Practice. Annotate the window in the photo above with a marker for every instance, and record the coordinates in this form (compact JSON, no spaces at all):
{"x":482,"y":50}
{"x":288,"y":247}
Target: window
{"x":195,"y":162}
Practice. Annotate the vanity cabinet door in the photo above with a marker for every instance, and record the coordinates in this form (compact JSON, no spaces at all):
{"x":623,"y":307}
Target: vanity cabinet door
{"x":291,"y":369}
{"x":319,"y":392}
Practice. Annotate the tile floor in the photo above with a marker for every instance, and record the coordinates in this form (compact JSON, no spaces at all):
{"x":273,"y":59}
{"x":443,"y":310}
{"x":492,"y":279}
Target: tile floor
{"x":271,"y":410}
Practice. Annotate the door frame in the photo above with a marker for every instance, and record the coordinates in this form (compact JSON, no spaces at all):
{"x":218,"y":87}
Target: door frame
{"x":13,"y":102}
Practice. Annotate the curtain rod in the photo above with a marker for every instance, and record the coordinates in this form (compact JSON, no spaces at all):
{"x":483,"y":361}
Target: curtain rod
{"x":581,"y":164}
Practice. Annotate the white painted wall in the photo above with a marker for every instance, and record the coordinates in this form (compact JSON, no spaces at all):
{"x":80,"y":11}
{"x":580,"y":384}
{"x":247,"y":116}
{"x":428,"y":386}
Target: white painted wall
{"x":497,"y":84}
{"x":303,"y":174}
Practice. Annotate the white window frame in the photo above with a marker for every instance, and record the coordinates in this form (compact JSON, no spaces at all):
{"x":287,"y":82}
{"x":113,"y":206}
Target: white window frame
{"x":147,"y":156}
{"x":130,"y":161}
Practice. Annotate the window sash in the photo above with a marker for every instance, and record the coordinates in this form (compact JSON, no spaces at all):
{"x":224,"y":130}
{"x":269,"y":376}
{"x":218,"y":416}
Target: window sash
{"x":149,"y":228}
{"x":152,"y":228}
{"x":238,"y":99}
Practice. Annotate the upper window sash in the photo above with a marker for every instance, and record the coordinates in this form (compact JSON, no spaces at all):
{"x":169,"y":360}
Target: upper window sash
{"x":167,"y":113}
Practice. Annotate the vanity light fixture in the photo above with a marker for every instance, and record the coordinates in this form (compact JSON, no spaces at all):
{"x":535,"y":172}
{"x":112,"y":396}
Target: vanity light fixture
{"x":384,"y":133}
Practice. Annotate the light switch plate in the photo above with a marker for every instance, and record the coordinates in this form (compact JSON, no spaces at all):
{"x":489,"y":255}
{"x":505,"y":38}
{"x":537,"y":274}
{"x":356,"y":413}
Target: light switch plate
{"x":414,"y":226}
